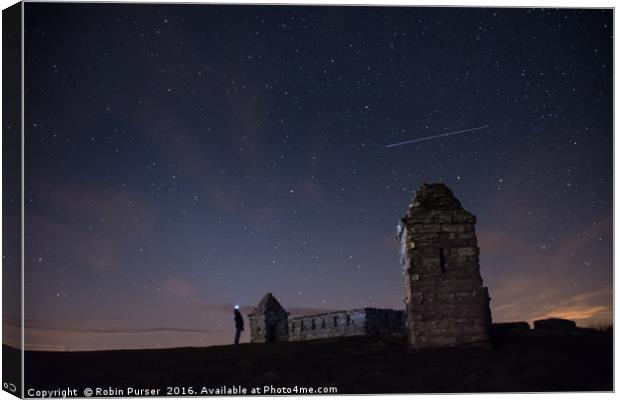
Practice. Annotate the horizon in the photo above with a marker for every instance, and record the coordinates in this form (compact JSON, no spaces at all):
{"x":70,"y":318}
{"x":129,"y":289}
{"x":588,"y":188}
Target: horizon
{"x":598,"y":325}
{"x":593,"y":326}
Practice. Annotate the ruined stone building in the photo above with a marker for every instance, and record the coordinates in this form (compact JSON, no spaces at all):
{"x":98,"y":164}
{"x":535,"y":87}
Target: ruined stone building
{"x":446,"y":303}
{"x":269,"y":322}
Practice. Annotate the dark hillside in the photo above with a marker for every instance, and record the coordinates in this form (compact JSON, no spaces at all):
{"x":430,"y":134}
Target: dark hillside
{"x":528,"y":362}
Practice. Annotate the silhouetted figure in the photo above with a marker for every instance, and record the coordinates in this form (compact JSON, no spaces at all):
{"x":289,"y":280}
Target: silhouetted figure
{"x":238,"y":325}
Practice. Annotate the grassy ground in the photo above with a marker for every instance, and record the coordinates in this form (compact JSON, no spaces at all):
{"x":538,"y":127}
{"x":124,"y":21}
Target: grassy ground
{"x":521,"y":363}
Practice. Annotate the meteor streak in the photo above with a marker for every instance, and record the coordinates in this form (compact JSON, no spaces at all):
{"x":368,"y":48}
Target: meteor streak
{"x":435,"y":137}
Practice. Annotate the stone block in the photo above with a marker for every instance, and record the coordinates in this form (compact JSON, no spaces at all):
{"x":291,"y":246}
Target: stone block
{"x":467,"y":251}
{"x":453,"y":228}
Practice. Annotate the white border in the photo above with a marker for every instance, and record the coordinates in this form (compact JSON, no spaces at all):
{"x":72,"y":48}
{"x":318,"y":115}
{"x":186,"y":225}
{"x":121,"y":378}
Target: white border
{"x":450,"y":3}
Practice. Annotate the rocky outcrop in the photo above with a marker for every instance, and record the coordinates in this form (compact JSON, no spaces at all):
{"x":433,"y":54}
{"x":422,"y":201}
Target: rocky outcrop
{"x":446,"y":302}
{"x":555,"y":324}
{"x":521,"y":325}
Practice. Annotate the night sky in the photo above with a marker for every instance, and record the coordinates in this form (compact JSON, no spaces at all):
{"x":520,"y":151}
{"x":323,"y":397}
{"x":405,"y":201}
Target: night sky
{"x":181,"y":159}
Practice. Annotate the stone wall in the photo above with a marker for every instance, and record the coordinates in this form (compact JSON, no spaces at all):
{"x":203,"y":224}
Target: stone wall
{"x":446,"y":303}
{"x":327,"y":325}
{"x":269,"y":322}
{"x":359,"y":322}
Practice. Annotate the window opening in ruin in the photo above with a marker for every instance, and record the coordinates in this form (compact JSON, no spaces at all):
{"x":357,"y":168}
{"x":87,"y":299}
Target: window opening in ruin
{"x":323,"y":323}
{"x":272,"y":334}
{"x":336,"y":320}
{"x":293,"y":327}
{"x":313,"y":325}
{"x":442,"y":261}
{"x":348,"y":320}
{"x":302,"y":327}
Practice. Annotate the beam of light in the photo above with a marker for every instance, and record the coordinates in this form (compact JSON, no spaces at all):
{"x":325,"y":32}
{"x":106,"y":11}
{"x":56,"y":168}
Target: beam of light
{"x":436,"y":136}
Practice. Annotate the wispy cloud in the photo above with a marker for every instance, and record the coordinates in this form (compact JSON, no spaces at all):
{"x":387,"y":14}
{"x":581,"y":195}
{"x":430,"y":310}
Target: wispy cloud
{"x":246,"y":309}
{"x":179,"y":288}
{"x":585,"y":312}
{"x":514,"y":294}
{"x":122,"y":332}
{"x":51,"y":338}
{"x":582,"y":306}
{"x":92,"y":225}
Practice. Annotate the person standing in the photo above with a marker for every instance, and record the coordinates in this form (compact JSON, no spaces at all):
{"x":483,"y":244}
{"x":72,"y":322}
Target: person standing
{"x":238,"y":324}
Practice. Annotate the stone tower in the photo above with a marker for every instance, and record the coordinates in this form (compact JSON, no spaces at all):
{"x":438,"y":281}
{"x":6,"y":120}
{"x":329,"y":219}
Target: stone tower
{"x":268,"y":321}
{"x":446,"y":304}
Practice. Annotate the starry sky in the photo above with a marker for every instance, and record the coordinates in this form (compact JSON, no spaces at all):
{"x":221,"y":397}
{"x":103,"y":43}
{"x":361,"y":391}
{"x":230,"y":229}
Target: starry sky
{"x":181,"y":159}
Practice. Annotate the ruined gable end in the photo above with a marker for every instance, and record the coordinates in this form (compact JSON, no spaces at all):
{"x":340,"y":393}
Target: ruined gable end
{"x":268,"y":321}
{"x":446,"y":302}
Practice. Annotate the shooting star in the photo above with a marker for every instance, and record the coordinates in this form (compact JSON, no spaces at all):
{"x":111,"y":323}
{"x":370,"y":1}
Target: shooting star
{"x":436,"y":136}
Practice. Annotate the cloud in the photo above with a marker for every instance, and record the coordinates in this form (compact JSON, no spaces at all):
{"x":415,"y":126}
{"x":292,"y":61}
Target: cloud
{"x":529,"y":282}
{"x":585,"y":312}
{"x":122,"y":332}
{"x":583,"y":306}
{"x":53,"y":338}
{"x":179,"y":288}
{"x":92,"y":225}
{"x":246,"y":309}
{"x":312,"y":190}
